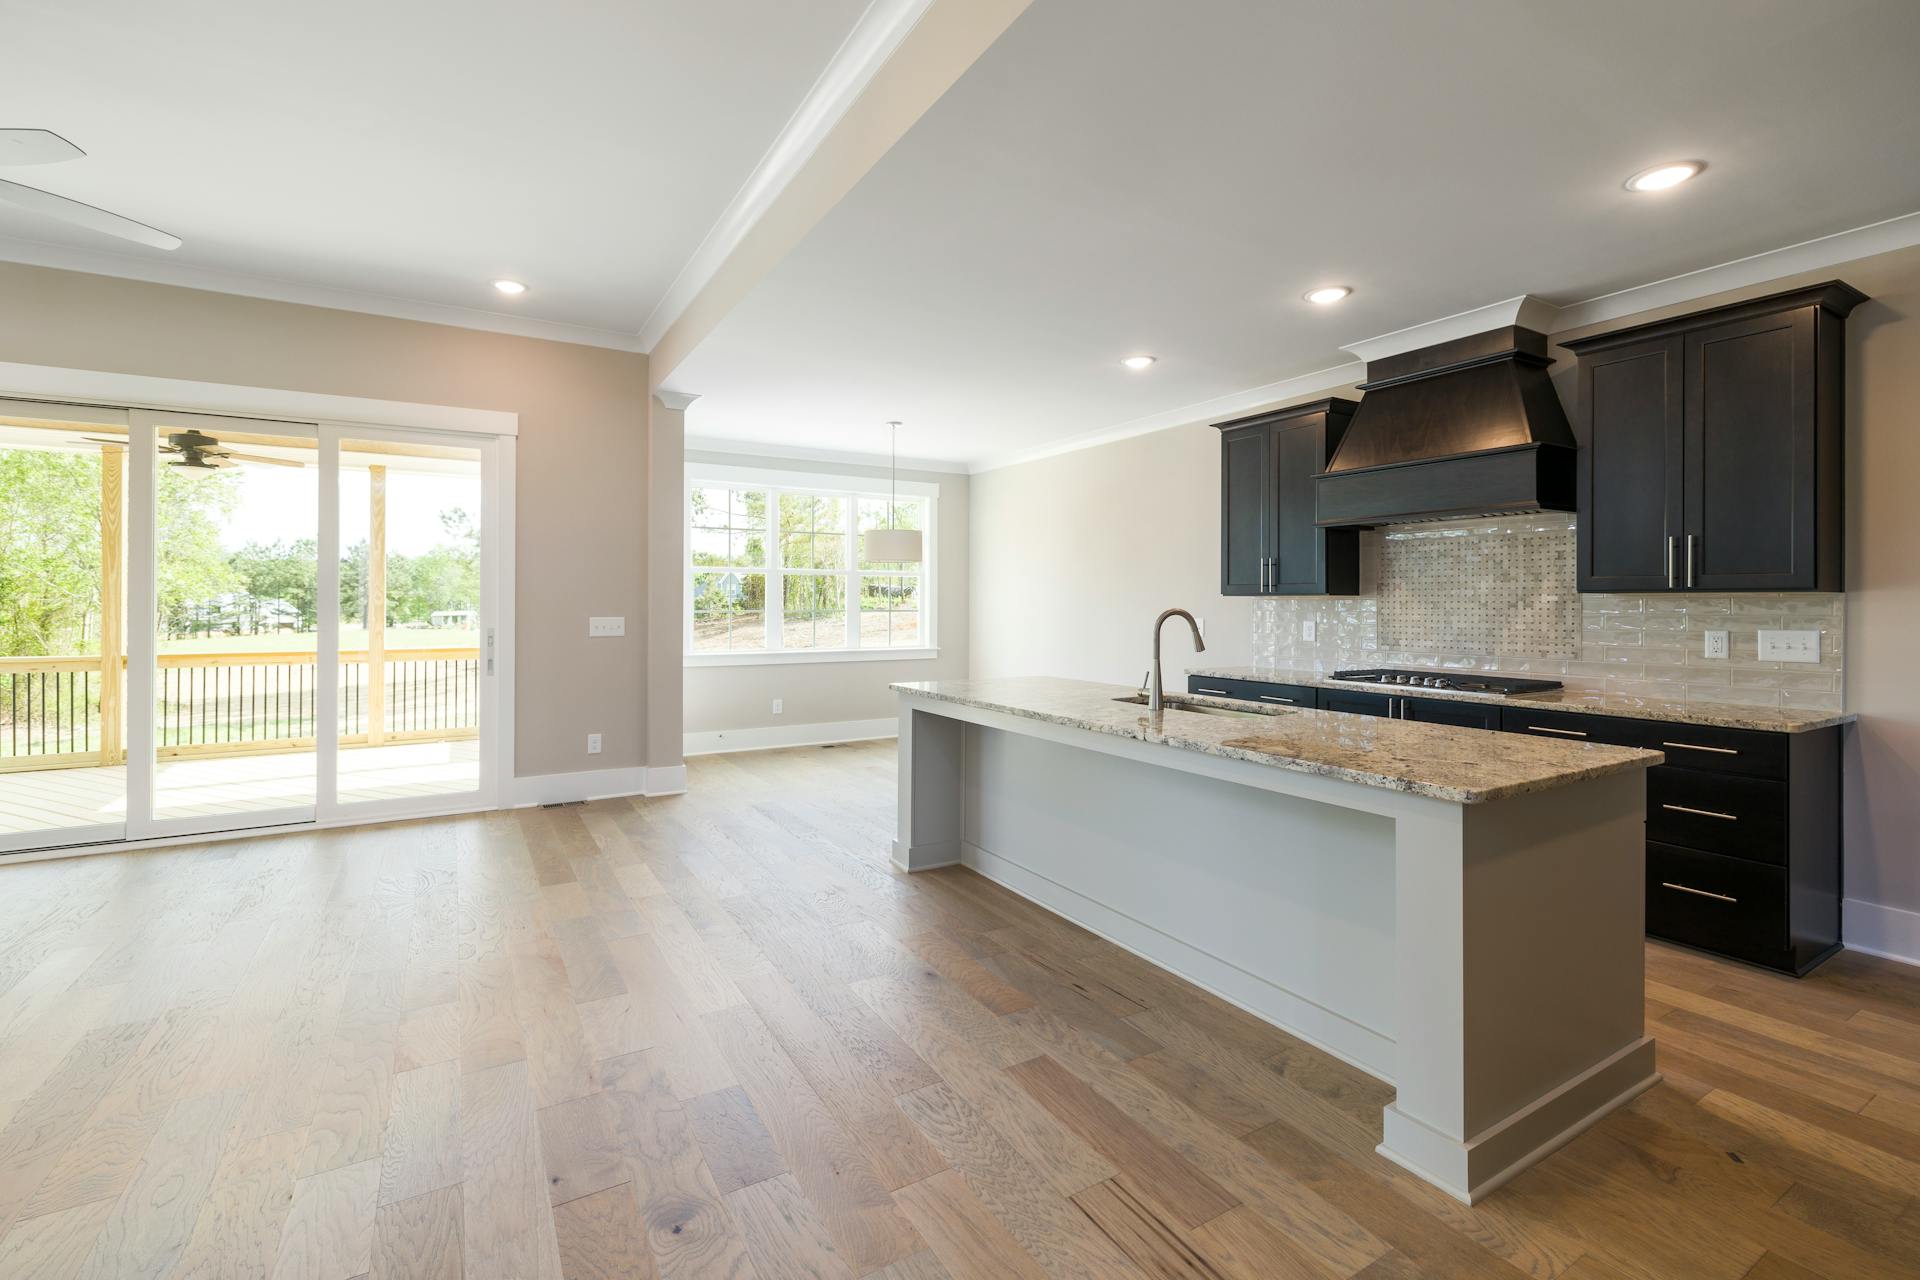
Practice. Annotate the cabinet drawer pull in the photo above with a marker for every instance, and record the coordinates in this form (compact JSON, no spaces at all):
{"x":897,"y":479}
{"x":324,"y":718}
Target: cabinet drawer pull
{"x":1703,"y":813}
{"x":1274,"y":697}
{"x":1547,"y":728}
{"x":1702,"y":893}
{"x":1690,"y":746}
{"x":1218,"y":693}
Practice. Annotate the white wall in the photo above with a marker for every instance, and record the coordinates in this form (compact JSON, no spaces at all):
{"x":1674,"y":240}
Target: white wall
{"x":1074,"y":556}
{"x":723,"y":699}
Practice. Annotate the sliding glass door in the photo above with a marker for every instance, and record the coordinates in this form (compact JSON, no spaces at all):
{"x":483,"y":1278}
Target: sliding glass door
{"x":63,"y":503}
{"x":214,"y":623}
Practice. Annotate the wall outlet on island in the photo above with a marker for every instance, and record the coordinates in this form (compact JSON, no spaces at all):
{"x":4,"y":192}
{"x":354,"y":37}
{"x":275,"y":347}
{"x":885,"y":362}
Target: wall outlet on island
{"x":593,"y":744}
{"x":1789,"y":646}
{"x":1716,"y":644}
{"x":779,"y":705}
{"x":1309,"y":629}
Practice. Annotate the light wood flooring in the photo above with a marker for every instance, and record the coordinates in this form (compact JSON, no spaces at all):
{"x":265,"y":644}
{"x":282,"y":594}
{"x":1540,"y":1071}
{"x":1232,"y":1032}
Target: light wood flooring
{"x":717,"y":1036}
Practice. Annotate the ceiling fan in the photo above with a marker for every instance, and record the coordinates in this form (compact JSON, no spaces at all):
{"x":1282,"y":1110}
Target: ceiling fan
{"x":42,"y":146}
{"x":202,"y":452}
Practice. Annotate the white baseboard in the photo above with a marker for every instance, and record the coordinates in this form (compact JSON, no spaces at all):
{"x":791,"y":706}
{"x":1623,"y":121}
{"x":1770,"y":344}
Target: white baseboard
{"x":715,"y":741}
{"x":599,"y":784}
{"x":1890,"y":932}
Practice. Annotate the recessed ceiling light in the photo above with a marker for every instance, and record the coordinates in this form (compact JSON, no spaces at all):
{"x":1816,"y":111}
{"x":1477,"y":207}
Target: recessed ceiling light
{"x":509,"y":287}
{"x":1138,"y":362}
{"x":1662,"y":176}
{"x":1330,"y":294}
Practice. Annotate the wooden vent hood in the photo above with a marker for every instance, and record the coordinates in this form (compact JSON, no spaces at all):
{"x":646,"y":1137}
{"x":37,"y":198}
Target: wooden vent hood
{"x":1466,"y":427}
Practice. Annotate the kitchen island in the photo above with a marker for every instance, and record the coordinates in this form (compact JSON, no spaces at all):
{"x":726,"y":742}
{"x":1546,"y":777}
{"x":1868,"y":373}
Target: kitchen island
{"x":1455,"y":913}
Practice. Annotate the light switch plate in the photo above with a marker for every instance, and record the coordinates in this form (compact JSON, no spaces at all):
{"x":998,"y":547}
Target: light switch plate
{"x":606,"y":626}
{"x":1309,"y":629}
{"x":1716,"y":644}
{"x":1789,"y":646}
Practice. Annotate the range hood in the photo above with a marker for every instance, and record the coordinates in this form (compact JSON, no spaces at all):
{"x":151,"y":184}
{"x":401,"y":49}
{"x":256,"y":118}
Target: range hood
{"x":1466,"y":427}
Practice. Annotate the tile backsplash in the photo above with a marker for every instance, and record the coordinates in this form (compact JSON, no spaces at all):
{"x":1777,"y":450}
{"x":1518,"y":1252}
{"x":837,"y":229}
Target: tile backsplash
{"x":1498,"y":595}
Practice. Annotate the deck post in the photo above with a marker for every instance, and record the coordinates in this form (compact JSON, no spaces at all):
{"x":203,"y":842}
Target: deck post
{"x":112,"y":614}
{"x":376,"y":605}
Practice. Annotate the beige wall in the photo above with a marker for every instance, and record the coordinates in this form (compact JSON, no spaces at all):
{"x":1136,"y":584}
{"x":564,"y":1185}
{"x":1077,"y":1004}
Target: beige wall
{"x":582,"y":466}
{"x":1074,"y":555}
{"x":741,"y":697}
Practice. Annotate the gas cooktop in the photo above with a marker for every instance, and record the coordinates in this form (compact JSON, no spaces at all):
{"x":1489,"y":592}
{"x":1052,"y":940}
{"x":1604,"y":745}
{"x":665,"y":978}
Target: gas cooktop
{"x":1451,"y":681}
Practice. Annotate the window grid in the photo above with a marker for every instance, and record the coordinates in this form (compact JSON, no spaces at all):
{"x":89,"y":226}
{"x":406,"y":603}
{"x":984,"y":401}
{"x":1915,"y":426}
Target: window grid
{"x":821,"y":551}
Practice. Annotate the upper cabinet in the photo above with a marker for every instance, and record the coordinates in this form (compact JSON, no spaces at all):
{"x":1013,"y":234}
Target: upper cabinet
{"x":1269,"y":544}
{"x":1711,"y":456}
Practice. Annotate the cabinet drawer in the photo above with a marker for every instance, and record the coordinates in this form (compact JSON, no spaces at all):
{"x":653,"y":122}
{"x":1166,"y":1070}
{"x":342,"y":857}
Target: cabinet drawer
{"x":1721,"y":813}
{"x":1748,"y":752}
{"x":1285,"y":695}
{"x":1729,"y":905}
{"x":1573,"y":726}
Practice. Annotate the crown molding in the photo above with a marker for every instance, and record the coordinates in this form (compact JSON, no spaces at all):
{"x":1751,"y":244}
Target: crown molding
{"x":866,"y":49}
{"x":1875,"y":238}
{"x":802,"y":453}
{"x":678,"y":401}
{"x":1227,"y":406}
{"x":126,"y":266}
{"x":1525,"y":310}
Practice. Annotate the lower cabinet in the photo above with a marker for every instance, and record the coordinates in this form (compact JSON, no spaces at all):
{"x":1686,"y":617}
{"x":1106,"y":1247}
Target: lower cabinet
{"x":1743,"y":826}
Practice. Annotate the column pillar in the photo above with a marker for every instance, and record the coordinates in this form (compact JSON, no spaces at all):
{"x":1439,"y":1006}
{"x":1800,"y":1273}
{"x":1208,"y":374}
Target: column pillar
{"x":666,"y":572}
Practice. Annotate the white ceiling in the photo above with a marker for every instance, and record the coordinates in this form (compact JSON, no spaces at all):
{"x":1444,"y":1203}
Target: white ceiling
{"x":1121,"y":176}
{"x":416,"y":150}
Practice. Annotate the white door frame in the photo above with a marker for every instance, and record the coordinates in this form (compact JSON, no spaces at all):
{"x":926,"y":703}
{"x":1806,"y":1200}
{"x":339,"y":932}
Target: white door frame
{"x":496,"y":627}
{"x":143,"y":551}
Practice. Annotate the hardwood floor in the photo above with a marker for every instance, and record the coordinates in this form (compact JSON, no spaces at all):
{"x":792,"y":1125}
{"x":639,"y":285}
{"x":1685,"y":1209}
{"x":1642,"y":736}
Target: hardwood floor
{"x":717,"y":1036}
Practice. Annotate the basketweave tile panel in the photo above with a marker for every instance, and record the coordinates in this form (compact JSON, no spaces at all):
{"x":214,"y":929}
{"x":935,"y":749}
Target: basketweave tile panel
{"x":1498,"y":595}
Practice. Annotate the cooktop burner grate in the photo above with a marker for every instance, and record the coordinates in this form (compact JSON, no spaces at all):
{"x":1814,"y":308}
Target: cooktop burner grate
{"x":1449,"y":681}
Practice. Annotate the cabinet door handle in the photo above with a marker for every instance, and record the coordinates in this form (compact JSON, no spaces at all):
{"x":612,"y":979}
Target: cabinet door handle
{"x":1670,"y":541}
{"x":1273,"y":697}
{"x":1218,"y":693}
{"x":1693,"y":746}
{"x":1547,"y":728}
{"x":1689,"y":561}
{"x":1704,"y":813}
{"x":1703,"y":893}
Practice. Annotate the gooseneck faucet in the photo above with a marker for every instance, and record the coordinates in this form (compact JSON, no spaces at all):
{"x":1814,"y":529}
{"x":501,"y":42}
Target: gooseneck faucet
{"x":1156,"y":696}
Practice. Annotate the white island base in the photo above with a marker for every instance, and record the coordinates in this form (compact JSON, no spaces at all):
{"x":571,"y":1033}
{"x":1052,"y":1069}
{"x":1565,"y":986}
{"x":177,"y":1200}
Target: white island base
{"x":1485,"y":958}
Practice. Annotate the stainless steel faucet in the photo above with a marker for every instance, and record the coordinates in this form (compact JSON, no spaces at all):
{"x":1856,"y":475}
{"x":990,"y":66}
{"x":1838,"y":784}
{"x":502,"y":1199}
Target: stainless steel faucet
{"x":1156,"y":696}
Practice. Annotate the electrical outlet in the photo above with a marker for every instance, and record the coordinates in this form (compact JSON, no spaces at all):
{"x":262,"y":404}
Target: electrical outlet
{"x":593,"y":744}
{"x":1716,"y":644}
{"x":1789,"y":646}
{"x":1309,"y":629}
{"x":779,"y":706}
{"x":606,"y":626}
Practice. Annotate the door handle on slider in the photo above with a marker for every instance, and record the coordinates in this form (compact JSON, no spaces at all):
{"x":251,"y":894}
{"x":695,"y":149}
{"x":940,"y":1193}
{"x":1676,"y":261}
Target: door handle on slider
{"x":1670,"y":541}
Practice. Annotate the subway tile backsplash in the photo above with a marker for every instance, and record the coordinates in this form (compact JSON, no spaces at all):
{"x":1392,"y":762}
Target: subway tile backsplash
{"x":1498,"y":595}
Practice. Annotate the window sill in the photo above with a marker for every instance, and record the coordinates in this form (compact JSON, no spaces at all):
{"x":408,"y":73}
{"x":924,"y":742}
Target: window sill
{"x":786,"y":656}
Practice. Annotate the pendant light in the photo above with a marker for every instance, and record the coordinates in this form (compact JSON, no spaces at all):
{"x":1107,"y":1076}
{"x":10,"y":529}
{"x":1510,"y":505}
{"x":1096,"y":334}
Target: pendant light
{"x":891,"y":545}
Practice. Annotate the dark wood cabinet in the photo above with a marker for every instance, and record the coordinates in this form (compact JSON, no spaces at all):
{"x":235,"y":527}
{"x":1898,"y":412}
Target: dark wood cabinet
{"x":1711,"y":448}
{"x":1743,"y":833}
{"x":1465,"y":715}
{"x":1354,"y":704}
{"x":1269,"y":543}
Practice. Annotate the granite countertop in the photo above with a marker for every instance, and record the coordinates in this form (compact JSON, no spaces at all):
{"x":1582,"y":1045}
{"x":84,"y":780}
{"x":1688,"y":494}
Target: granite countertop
{"x":1440,"y":761}
{"x":1725,"y":715}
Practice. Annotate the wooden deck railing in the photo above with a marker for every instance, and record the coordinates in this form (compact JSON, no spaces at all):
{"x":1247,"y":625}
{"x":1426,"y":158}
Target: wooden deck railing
{"x":239,"y":703}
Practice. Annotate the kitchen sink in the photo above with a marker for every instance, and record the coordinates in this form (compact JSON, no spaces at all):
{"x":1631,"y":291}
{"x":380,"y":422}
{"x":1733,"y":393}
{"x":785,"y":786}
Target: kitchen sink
{"x":1173,"y":703}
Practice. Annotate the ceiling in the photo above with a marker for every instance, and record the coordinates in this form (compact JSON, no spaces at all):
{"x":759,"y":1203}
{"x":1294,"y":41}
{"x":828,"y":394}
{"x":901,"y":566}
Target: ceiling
{"x":412,"y":151}
{"x":1125,"y":176}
